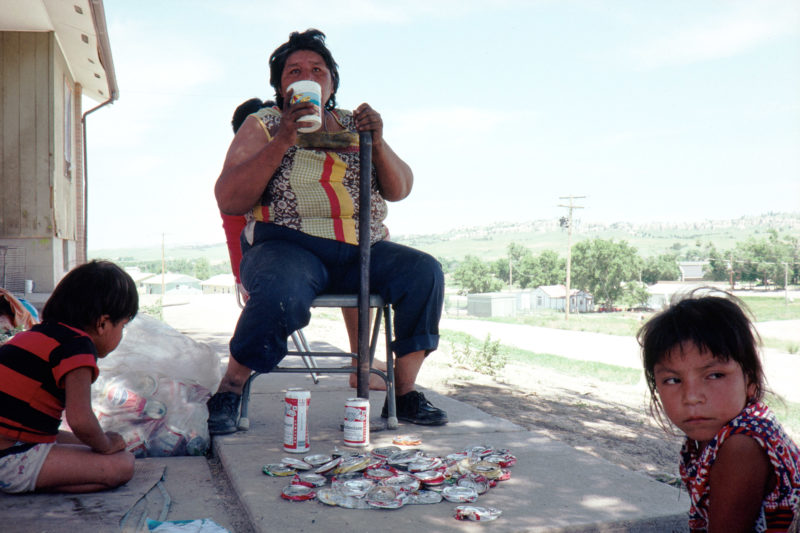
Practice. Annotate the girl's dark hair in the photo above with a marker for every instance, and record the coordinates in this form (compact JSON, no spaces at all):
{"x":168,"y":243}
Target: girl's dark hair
{"x":310,"y":39}
{"x":713,"y":321}
{"x":90,"y":291}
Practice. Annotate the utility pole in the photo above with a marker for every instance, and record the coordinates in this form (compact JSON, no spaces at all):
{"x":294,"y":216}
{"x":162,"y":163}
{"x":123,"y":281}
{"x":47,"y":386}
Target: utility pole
{"x":571,"y":206}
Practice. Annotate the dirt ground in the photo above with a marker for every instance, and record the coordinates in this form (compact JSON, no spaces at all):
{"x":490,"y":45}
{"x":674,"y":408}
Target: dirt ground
{"x":605,"y":420}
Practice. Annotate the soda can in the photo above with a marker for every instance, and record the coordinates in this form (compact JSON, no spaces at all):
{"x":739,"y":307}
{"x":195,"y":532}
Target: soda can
{"x":356,"y":422}
{"x":120,"y":397}
{"x":295,"y":420}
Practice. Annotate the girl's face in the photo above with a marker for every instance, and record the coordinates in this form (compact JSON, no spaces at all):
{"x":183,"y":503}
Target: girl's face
{"x":307,"y":65}
{"x":699,"y":392}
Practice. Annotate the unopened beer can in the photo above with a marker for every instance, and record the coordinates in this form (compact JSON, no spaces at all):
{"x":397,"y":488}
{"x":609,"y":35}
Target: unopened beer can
{"x":356,"y":422}
{"x":295,"y":421}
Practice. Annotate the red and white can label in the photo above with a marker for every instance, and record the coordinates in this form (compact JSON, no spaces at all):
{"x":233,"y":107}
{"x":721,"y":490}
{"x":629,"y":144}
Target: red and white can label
{"x":356,"y":422}
{"x":295,"y":421}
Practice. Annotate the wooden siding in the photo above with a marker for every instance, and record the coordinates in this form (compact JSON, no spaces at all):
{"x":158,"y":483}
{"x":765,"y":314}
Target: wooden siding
{"x":26,"y":134}
{"x":64,"y":177}
{"x":39,"y":193}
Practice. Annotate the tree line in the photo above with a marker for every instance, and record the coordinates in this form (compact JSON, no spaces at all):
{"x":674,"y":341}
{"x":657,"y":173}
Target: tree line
{"x":615,"y":273}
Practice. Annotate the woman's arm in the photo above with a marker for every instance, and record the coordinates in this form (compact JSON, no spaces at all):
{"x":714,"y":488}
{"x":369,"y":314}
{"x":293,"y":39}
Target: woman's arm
{"x":395,"y":178}
{"x":740,"y":478}
{"x":81,"y":419}
{"x":253,"y":157}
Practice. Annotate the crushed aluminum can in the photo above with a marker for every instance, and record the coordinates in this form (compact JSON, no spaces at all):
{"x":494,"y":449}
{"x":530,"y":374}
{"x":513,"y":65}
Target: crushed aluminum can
{"x":384,"y":452}
{"x":505,"y":475}
{"x":378,"y":474}
{"x":424,"y":463}
{"x":407,"y":440}
{"x":310,"y":479}
{"x":479,"y":483}
{"x":355,"y":463}
{"x":351,"y":502}
{"x":488,"y":470}
{"x":479,"y":451}
{"x":504,"y":460}
{"x":403,"y":457}
{"x":278,"y":470}
{"x":423,"y":497}
{"x":297,"y":464}
{"x":328,"y":496}
{"x":477,"y":514}
{"x":298,"y":493}
{"x":429,"y":477}
{"x":357,"y":488}
{"x":402,"y":482}
{"x":384,"y":497}
{"x":458,"y":494}
{"x":317,"y":459}
{"x":329,"y":466}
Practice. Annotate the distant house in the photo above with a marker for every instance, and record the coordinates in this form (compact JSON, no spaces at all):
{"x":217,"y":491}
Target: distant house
{"x":492,"y":304}
{"x":692,"y":270}
{"x":139,"y":277}
{"x":663,"y":292}
{"x":554,"y":297}
{"x":219,"y":284}
{"x":172,"y":283}
{"x":54,"y":55}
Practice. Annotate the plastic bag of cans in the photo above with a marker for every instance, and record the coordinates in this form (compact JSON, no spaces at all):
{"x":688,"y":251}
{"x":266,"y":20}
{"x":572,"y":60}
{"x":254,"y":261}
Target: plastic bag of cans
{"x":153,"y":390}
{"x":157,"y":416}
{"x":390,"y":477}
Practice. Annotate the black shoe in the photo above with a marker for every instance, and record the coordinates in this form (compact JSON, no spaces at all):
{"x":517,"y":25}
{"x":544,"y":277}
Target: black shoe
{"x":223,"y":413}
{"x":415,"y":408}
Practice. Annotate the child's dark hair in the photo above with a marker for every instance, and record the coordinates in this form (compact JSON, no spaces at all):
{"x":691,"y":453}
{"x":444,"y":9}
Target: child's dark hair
{"x":310,"y":39}
{"x":713,"y":321}
{"x":246,"y":109}
{"x":90,"y":291}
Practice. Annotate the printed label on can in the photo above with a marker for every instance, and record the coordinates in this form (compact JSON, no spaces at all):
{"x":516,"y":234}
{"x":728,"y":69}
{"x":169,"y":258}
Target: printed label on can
{"x":356,"y":422}
{"x":125,"y":399}
{"x":295,"y":421}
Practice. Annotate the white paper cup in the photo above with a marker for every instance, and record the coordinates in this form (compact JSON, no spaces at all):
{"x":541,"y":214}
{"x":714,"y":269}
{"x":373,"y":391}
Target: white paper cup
{"x":308,"y":91}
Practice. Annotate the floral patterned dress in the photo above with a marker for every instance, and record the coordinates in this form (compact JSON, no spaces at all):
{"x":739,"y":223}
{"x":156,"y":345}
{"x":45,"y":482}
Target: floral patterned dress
{"x":756,"y":421}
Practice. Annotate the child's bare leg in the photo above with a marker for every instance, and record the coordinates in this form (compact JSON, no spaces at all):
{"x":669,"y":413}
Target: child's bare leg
{"x":350,"y":315}
{"x":76,"y":468}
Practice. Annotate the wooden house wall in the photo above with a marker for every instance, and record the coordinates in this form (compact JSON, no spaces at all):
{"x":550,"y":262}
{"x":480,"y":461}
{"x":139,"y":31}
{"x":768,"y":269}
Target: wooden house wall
{"x":38,"y":194}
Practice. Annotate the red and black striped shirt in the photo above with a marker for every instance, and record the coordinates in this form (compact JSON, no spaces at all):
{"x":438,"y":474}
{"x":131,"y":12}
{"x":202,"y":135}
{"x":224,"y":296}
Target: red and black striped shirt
{"x":32,"y":367}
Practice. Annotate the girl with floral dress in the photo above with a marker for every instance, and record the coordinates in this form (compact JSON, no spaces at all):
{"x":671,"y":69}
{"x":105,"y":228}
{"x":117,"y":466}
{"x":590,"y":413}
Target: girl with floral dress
{"x":701,"y":362}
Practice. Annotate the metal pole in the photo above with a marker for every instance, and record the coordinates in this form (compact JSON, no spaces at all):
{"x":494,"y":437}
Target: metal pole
{"x":569,"y":249}
{"x":364,"y":208}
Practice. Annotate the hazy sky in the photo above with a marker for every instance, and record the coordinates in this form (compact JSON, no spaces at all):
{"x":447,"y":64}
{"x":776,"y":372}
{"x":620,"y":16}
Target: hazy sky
{"x":663,"y":111}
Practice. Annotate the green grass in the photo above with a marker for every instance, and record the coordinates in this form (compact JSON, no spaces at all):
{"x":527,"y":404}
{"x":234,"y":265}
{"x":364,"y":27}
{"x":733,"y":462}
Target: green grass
{"x":622,"y":323}
{"x":565,"y":365}
{"x":628,"y":323}
{"x":788,"y":413}
{"x":772,"y":308}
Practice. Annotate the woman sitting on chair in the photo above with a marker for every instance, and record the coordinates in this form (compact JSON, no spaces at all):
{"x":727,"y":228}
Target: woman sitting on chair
{"x":299,"y":192}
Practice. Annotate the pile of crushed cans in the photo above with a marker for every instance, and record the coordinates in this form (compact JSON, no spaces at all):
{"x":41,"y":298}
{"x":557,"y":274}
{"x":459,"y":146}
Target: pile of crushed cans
{"x":390,"y":477}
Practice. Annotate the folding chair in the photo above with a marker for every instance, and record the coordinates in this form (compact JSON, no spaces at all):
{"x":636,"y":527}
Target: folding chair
{"x":363,"y":301}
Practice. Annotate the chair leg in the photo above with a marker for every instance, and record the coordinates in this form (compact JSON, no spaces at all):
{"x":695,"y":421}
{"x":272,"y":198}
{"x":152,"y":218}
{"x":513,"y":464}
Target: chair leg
{"x":244,"y":421}
{"x":300,"y":342}
{"x":391,"y":422}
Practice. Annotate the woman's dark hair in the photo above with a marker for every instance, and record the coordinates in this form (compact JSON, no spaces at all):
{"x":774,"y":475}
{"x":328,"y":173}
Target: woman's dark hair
{"x":310,"y":39}
{"x":713,"y":321}
{"x":90,"y":291}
